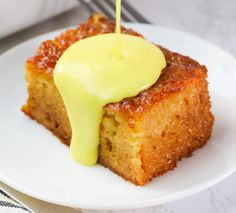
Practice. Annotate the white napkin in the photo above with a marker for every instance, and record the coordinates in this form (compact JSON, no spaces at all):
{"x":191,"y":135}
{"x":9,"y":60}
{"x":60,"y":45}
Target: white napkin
{"x":9,"y":204}
{"x":34,"y":205}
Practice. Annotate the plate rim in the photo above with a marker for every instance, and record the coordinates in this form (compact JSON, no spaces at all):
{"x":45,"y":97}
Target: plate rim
{"x":138,"y":204}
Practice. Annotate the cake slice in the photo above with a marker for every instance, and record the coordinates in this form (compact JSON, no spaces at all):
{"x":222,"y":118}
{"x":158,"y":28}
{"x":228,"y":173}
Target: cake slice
{"x":140,"y":137}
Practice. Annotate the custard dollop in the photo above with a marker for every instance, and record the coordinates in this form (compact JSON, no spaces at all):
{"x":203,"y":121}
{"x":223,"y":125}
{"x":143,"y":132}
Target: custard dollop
{"x":100,"y":70}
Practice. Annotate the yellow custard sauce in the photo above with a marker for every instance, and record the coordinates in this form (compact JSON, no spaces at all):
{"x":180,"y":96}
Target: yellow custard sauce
{"x":100,"y":70}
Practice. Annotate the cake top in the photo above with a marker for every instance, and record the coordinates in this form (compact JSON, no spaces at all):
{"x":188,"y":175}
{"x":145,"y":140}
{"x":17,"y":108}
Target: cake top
{"x":179,"y":71}
{"x":50,"y":51}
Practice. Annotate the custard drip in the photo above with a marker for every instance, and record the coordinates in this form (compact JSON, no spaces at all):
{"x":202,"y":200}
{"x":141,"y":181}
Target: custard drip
{"x":100,"y":70}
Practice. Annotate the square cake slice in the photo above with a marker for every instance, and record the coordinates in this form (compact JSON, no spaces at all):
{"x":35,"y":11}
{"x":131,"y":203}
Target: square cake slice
{"x":140,"y":137}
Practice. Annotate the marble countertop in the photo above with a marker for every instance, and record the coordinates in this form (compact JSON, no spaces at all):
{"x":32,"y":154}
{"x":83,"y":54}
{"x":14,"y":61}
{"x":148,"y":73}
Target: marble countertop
{"x":213,"y":20}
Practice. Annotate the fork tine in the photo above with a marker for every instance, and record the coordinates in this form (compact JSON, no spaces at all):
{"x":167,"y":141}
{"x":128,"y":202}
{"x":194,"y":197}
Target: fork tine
{"x":94,"y":6}
{"x":86,"y":5}
{"x":108,"y":8}
{"x":134,"y":12}
{"x":103,"y":9}
{"x":113,"y":6}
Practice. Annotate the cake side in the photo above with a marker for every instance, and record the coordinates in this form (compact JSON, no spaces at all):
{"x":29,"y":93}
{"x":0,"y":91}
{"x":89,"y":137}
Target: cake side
{"x":176,"y":128}
{"x":44,"y":103}
{"x":161,"y":136}
{"x":140,"y":137}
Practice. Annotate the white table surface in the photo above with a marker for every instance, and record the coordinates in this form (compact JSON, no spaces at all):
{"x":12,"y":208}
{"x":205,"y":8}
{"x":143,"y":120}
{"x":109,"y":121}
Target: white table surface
{"x":213,"y":20}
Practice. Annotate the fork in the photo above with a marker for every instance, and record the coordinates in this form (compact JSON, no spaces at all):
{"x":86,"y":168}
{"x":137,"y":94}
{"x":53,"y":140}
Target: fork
{"x":108,"y":8}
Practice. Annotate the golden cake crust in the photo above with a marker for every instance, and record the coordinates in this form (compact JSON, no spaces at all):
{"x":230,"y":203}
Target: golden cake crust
{"x":50,"y":51}
{"x":179,"y":70}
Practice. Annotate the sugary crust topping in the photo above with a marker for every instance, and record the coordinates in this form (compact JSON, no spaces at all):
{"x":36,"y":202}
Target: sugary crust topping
{"x":50,"y":51}
{"x":180,"y":69}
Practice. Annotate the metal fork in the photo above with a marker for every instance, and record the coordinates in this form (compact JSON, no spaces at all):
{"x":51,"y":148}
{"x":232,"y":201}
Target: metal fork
{"x":108,"y":8}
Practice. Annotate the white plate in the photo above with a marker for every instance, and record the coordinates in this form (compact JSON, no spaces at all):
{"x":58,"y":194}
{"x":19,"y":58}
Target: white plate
{"x":33,"y":161}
